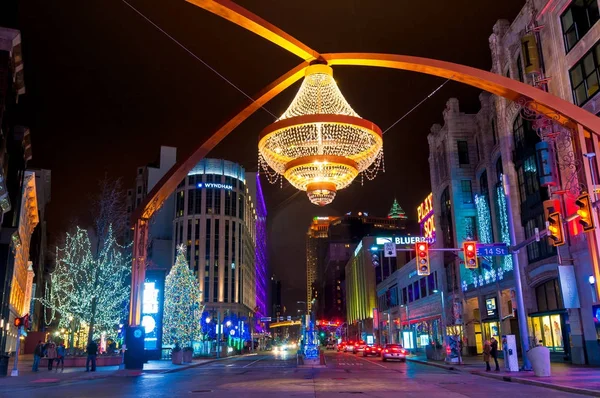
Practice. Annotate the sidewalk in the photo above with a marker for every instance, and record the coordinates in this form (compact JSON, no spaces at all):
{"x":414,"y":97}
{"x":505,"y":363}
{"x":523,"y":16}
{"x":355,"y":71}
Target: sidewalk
{"x":565,"y":377}
{"x":28,"y":378}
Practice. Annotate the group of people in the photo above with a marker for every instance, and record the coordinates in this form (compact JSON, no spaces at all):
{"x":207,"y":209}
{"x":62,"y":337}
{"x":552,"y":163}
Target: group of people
{"x":52,"y":352}
{"x":56,"y":353}
{"x":490,"y":350}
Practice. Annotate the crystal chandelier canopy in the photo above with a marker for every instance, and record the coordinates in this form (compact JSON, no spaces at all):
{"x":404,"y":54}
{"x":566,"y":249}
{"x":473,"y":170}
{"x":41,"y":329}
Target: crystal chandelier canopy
{"x":320,"y":144}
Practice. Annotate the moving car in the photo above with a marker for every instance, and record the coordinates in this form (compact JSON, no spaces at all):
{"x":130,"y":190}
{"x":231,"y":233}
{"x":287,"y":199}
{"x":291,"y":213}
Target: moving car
{"x":393,"y":351}
{"x":359,"y":346}
{"x":349,"y":346}
{"x":341,"y":346}
{"x":372,"y":350}
{"x":330,"y":345}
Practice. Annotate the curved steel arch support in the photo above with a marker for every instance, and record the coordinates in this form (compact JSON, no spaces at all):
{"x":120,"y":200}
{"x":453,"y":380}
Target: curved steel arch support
{"x":547,"y":104}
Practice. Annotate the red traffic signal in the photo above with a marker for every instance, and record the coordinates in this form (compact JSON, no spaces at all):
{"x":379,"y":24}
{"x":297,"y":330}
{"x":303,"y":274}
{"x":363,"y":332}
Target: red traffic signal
{"x":470,"y":250}
{"x":422,"y":249}
{"x":19,"y":322}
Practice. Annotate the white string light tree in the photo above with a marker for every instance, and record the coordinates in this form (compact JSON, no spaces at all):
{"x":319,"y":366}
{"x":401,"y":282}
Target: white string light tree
{"x":183,"y":310}
{"x":87,"y":290}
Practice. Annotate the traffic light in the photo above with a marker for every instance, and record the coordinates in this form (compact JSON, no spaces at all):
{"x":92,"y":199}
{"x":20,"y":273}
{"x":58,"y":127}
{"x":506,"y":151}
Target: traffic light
{"x":586,"y":218}
{"x":375,"y":260}
{"x":556,"y":231}
{"x":19,"y":322}
{"x":422,"y":249}
{"x":470,"y":250}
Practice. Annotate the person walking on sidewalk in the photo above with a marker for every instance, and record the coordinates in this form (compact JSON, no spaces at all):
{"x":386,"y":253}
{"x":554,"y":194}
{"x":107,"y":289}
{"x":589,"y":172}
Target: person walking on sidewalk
{"x":51,"y":355}
{"x":487,"y":348}
{"x":92,"y":351}
{"x":38,"y":352}
{"x":60,"y":359}
{"x":494,"y":352}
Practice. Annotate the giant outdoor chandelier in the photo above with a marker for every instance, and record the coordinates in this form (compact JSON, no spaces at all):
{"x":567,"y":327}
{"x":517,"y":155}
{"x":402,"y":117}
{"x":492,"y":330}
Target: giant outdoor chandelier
{"x":320,"y":144}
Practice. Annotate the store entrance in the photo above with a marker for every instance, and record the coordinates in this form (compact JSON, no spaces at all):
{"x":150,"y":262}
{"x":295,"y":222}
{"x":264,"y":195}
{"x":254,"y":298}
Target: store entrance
{"x":478,"y":338}
{"x":492,"y":329}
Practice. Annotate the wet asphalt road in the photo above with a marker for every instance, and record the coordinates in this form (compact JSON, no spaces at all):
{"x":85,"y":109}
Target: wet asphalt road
{"x":276,"y":375}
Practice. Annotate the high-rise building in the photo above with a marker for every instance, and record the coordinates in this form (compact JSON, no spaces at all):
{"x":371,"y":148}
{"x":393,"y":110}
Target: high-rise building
{"x":39,"y":248}
{"x":216,"y":218}
{"x":260,"y":246}
{"x":276,"y":304}
{"x":330,"y":244}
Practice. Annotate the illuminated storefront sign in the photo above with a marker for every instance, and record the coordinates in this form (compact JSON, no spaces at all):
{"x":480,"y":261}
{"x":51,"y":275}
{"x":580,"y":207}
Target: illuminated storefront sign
{"x":403,"y":240}
{"x":215,"y":185}
{"x":151,"y":309}
{"x":426,"y":219}
{"x":490,"y":306}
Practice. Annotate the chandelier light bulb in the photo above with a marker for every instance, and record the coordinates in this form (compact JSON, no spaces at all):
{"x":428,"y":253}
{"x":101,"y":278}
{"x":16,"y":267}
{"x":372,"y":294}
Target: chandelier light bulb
{"x":320,"y":144}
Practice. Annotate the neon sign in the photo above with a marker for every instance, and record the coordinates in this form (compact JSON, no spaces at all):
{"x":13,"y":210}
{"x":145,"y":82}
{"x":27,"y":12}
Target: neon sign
{"x":426,"y":219}
{"x":215,"y":185}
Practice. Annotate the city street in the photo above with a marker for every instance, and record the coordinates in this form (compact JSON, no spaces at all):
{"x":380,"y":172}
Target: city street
{"x":271,"y":375}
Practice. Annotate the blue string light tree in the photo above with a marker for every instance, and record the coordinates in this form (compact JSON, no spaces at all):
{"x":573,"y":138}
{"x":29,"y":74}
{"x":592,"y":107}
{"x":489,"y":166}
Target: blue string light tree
{"x":183,"y":310}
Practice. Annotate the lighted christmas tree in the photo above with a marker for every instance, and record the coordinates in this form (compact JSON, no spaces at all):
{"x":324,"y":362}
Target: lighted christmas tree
{"x":396,"y":211}
{"x":182,"y":310}
{"x":89,"y":291}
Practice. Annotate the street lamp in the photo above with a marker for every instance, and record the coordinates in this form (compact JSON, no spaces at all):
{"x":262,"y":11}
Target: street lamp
{"x":207,"y":320}
{"x":592,"y":281}
{"x":228,"y":323}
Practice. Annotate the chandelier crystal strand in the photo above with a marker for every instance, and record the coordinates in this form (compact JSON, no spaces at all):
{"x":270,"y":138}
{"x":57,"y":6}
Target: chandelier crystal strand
{"x":320,"y":144}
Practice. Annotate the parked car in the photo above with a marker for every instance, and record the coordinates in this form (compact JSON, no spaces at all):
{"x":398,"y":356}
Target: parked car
{"x":372,"y":350}
{"x":359,"y":346}
{"x":349,"y":347}
{"x":393,"y":351}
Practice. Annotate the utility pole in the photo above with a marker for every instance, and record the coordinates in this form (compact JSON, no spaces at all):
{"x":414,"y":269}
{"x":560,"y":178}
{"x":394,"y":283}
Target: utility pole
{"x":523,"y":328}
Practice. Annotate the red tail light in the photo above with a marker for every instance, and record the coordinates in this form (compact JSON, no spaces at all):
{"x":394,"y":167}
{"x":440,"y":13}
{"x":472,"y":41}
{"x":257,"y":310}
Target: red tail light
{"x":356,"y":345}
{"x":387,"y":350}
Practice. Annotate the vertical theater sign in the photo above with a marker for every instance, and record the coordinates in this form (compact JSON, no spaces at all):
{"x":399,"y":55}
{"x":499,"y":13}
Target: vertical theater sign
{"x":426,"y":219}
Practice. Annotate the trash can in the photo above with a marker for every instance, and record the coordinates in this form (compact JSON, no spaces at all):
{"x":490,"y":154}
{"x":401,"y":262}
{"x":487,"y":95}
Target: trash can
{"x":4,"y":365}
{"x":540,"y":361}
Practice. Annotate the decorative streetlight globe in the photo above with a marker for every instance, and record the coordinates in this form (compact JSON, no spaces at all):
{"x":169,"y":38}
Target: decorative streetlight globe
{"x":320,"y":144}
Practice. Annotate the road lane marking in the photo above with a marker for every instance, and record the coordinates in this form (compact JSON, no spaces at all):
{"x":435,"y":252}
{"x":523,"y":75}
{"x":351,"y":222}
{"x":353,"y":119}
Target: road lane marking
{"x":374,"y":363}
{"x":259,"y":359}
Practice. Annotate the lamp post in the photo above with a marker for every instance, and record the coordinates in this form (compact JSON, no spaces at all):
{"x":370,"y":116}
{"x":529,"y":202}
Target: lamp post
{"x":523,"y":328}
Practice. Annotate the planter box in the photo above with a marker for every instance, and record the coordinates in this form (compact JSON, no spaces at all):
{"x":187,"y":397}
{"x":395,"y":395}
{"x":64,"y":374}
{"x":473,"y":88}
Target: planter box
{"x":177,"y":357}
{"x":79,"y":362}
{"x":187,"y":356}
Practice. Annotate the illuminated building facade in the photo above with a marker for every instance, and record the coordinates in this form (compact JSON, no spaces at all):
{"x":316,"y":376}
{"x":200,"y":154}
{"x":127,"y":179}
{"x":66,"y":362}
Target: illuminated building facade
{"x":551,"y":45}
{"x":315,"y":252}
{"x":216,"y":217}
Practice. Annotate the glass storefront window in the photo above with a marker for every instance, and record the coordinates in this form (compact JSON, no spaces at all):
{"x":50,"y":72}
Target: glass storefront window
{"x":547,"y":330}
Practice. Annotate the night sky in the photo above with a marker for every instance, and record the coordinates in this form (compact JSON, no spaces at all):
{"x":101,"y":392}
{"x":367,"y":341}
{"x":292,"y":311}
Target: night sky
{"x":105,"y":89}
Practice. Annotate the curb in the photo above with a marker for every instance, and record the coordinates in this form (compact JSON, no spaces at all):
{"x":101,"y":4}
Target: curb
{"x":574,"y":390}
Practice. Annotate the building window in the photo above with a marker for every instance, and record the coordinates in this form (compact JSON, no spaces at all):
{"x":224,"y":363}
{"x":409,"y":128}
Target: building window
{"x":139,"y":190}
{"x":209,"y":200}
{"x":520,"y":69}
{"x":537,"y":250}
{"x":228,"y":203}
{"x":191,"y":193}
{"x":577,"y":20}
{"x":198,"y":202}
{"x":494,"y":132}
{"x":416,"y":291}
{"x":483,"y":183}
{"x":446,"y":219}
{"x":470,"y":228}
{"x":217,"y":206}
{"x":467,"y":192}
{"x":499,"y":170}
{"x":180,"y":204}
{"x":477,"y":147}
{"x":463,"y":152}
{"x":528,"y":179}
{"x":584,"y":76}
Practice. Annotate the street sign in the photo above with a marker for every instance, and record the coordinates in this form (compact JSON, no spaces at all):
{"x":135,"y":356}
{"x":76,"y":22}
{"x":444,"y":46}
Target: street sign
{"x":389,"y":249}
{"x":493,"y":249}
{"x":265,"y":319}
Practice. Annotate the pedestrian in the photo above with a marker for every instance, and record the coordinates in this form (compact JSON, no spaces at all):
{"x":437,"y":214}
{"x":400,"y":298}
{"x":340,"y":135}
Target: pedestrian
{"x":60,"y":359}
{"x":92,"y":351}
{"x":51,"y":355}
{"x":38,"y":352}
{"x":494,"y":352}
{"x":487,"y":348}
